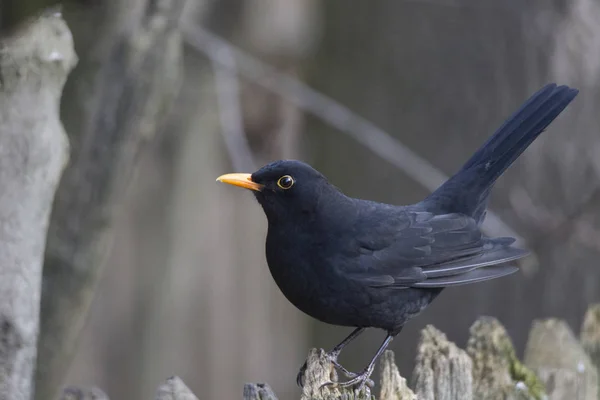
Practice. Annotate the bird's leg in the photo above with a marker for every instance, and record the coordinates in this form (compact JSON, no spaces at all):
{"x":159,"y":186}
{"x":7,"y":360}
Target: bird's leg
{"x":335,"y":352}
{"x":363,"y":377}
{"x":339,"y":366}
{"x":351,"y":374}
{"x":333,"y":355}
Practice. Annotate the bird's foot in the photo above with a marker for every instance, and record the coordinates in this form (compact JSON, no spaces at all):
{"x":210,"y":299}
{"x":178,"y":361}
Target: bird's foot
{"x":358,"y":380}
{"x":332,"y":357}
{"x":349,"y":374}
{"x":300,"y":376}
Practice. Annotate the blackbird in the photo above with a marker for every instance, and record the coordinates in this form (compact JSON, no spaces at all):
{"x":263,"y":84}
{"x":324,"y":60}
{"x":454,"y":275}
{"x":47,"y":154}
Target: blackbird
{"x":362,"y":264}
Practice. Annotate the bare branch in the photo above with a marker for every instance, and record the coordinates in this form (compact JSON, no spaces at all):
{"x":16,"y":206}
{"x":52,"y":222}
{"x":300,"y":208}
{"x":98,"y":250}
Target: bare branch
{"x":132,"y":89}
{"x":335,"y":114}
{"x":228,"y":96}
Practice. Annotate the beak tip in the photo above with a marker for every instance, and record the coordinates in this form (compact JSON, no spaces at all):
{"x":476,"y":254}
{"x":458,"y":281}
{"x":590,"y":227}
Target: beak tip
{"x":221,"y":178}
{"x":241,"y":180}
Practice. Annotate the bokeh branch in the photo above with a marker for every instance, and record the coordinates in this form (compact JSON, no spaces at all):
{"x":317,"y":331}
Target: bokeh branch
{"x":34,"y":64}
{"x":230,"y":112}
{"x":333,"y":113}
{"x":112,"y":112}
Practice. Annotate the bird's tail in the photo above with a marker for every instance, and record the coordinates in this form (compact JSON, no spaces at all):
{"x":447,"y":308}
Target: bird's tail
{"x":466,"y":192}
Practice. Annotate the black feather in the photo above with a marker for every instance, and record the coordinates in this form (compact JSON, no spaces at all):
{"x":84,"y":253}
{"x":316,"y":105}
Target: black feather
{"x":360,"y":263}
{"x":467,"y":191}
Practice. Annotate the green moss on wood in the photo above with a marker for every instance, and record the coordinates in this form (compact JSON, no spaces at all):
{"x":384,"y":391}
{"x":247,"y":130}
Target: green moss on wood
{"x":497,"y":372}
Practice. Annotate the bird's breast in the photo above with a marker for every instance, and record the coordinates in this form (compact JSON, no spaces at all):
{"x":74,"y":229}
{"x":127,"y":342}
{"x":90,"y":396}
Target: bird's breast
{"x":295,"y":259}
{"x":308,"y":274}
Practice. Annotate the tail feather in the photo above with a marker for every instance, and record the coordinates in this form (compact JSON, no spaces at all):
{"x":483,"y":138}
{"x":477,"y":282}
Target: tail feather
{"x":466,"y":192}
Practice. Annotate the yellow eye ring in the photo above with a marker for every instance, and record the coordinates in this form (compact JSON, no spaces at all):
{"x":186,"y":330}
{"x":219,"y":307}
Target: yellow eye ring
{"x":285,"y":182}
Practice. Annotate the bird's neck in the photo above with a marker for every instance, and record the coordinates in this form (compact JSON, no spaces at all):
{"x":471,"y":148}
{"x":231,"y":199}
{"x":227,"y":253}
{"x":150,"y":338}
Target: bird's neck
{"x":330,"y":211}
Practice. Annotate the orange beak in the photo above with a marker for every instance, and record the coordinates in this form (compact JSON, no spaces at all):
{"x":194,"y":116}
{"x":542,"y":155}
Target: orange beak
{"x":241,"y":180}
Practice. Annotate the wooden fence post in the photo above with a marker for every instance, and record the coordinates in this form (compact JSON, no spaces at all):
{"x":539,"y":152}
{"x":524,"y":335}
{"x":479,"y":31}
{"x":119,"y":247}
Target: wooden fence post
{"x":556,"y":367}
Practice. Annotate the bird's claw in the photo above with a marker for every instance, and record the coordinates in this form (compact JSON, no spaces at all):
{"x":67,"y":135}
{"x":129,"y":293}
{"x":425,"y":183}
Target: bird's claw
{"x":332,"y":357}
{"x":348,"y":374}
{"x":300,"y":375}
{"x":361,"y":379}
{"x":367,"y":382}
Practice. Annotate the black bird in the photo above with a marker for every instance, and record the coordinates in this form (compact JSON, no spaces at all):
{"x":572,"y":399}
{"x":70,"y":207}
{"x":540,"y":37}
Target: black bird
{"x":358,"y":263}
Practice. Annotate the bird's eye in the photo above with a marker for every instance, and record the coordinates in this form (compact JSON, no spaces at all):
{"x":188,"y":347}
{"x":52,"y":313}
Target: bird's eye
{"x":285,"y":182}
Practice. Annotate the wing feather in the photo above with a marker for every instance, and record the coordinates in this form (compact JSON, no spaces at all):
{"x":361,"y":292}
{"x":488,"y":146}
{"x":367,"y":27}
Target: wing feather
{"x":473,"y":276}
{"x":419,"y":249}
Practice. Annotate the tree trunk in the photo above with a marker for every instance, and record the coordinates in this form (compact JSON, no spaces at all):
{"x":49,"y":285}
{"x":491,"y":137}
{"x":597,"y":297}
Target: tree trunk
{"x":34,"y":63}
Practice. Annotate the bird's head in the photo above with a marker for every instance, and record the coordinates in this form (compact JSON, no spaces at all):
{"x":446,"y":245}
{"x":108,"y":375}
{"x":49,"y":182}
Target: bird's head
{"x":286,"y":189}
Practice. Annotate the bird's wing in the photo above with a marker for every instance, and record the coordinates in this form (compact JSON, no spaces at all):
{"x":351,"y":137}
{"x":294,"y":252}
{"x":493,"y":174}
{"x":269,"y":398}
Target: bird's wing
{"x":420,"y":249}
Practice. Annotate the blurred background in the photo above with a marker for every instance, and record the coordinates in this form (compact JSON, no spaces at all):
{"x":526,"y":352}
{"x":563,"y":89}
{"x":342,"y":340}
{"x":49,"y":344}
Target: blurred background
{"x":380,"y":96}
